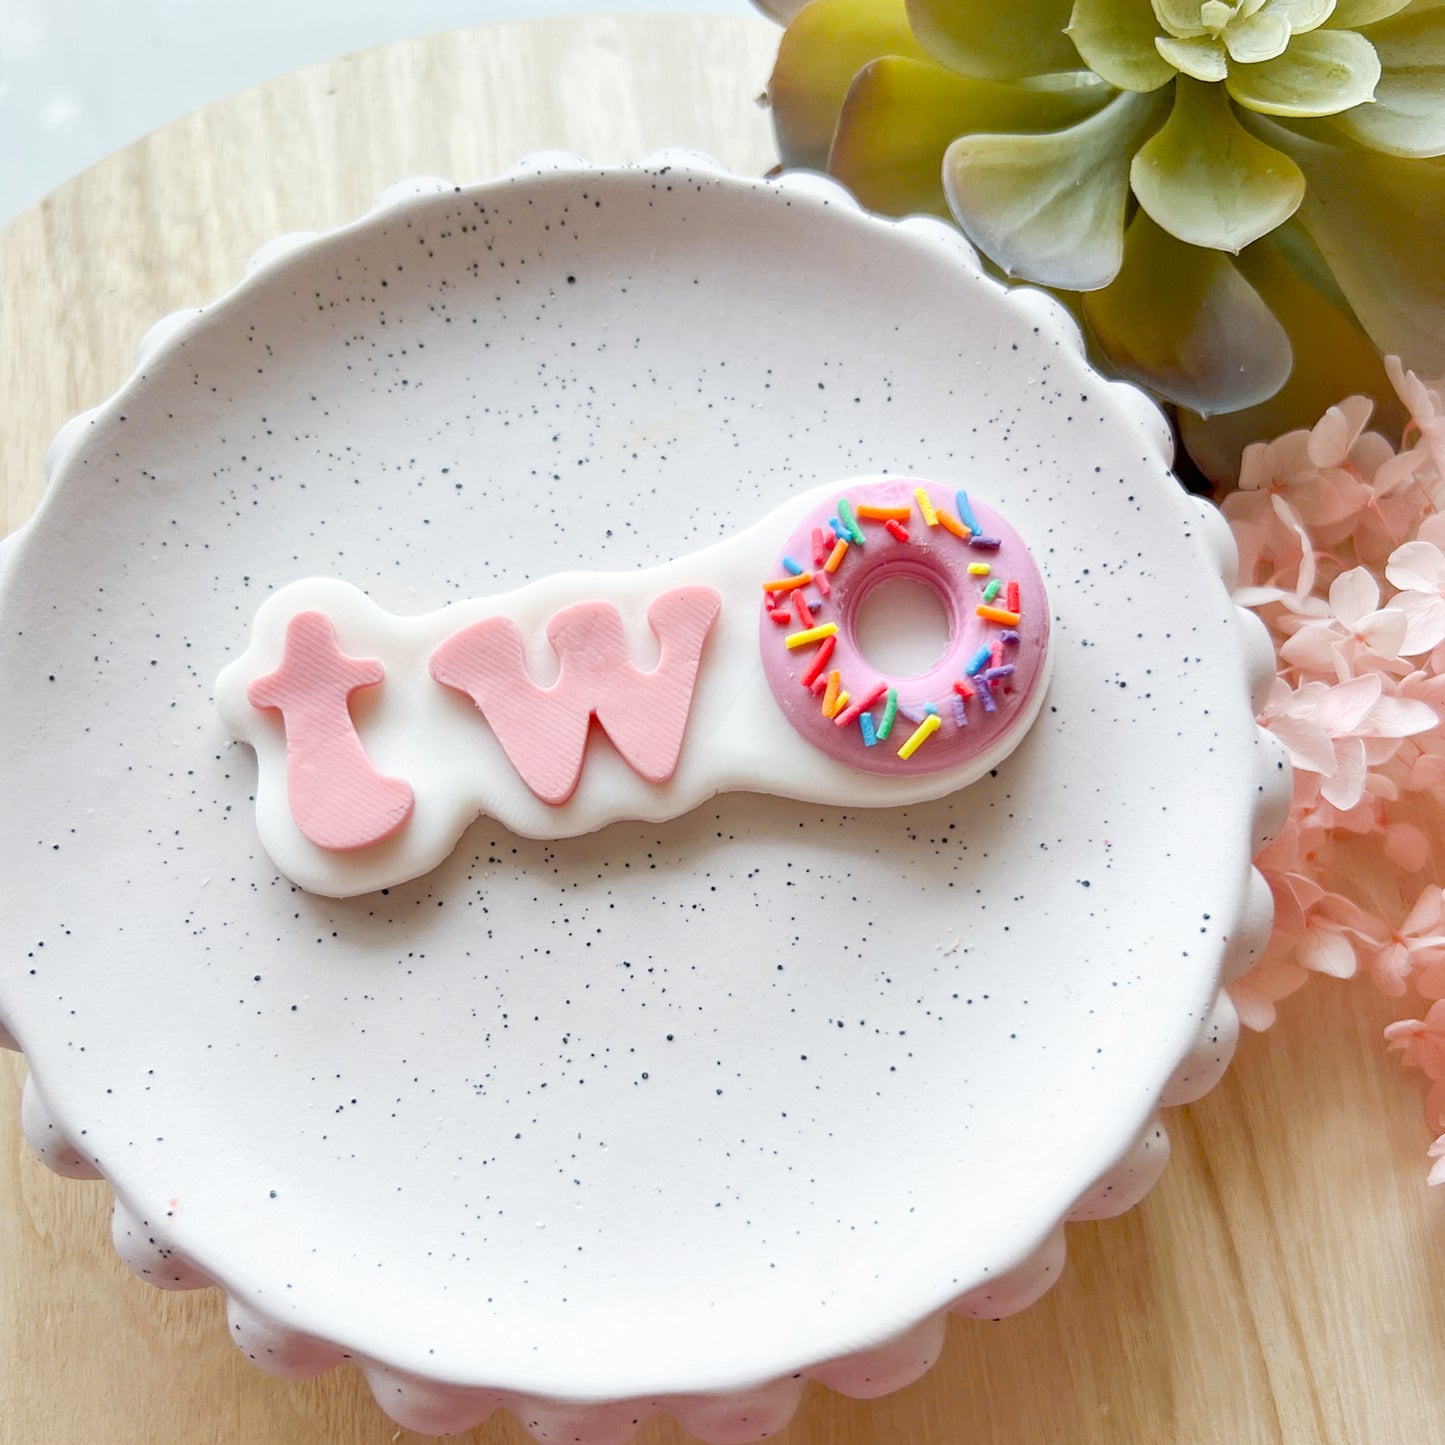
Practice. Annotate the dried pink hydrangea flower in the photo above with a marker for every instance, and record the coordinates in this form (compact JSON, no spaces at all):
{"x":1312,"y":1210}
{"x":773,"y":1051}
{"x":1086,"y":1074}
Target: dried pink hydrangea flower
{"x":1341,"y":540}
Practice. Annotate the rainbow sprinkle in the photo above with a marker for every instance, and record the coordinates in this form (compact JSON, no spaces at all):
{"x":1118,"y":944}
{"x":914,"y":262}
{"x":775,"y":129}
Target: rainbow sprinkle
{"x":786,"y":584}
{"x":923,"y":732}
{"x":996,"y":614}
{"x":820,"y":661}
{"x":862,"y":705}
{"x":965,"y":513}
{"x":811,"y":634}
{"x":890,"y":711}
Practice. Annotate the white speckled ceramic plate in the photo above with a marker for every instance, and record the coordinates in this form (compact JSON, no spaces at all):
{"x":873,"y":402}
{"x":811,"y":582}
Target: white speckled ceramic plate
{"x":672,"y":1114}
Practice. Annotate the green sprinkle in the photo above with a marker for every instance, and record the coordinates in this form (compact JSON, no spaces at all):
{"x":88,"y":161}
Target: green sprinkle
{"x":845,"y":511}
{"x":890,"y":711}
{"x":992,"y":590}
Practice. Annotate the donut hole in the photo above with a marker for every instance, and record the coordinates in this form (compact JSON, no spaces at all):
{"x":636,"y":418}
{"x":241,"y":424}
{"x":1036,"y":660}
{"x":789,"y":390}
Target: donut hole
{"x":902,"y":626}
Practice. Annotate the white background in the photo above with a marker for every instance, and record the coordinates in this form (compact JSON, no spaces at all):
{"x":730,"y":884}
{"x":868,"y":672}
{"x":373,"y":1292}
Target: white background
{"x":81,"y":78}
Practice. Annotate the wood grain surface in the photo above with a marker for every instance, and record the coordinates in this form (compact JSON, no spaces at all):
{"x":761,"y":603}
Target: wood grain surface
{"x":1284,"y":1281}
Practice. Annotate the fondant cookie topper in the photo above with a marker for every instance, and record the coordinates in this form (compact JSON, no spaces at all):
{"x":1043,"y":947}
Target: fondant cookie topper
{"x":380,"y":738}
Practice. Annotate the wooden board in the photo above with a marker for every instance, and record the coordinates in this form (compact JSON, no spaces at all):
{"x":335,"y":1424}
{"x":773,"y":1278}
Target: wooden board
{"x":1281,"y":1284}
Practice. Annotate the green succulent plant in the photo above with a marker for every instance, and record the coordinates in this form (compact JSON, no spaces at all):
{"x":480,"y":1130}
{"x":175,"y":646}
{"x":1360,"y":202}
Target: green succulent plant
{"x":1243,"y":201}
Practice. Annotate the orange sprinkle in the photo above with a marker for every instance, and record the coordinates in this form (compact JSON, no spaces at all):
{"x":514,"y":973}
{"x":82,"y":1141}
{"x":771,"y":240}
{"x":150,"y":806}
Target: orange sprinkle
{"x":836,"y":556}
{"x":998,"y":614}
{"x":830,"y":694}
{"x":883,"y":514}
{"x":952,"y":524}
{"x":786,"y":584}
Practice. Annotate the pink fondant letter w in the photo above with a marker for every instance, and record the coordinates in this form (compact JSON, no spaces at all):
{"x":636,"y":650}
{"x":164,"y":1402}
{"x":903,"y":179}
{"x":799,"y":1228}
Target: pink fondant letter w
{"x":544,"y":730}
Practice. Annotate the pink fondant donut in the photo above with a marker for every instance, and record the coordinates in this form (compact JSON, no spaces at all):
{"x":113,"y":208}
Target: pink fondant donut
{"x":980,"y":691}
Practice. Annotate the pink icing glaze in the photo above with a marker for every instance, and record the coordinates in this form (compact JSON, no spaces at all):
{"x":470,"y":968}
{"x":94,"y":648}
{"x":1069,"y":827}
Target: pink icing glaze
{"x":544,"y":730}
{"x":338,"y":798}
{"x":938,"y":558}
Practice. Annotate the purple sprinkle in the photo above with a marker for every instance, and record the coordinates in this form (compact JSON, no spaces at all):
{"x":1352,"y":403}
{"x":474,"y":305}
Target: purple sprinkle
{"x":985,"y":696}
{"x":989,"y":543}
{"x":1007,"y":670}
{"x":1009,"y":637}
{"x":959,"y":715}
{"x":913,"y":714}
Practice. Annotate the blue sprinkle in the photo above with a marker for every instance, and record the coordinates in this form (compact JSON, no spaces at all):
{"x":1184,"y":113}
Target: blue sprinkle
{"x":985,"y":694}
{"x":865,"y":722}
{"x":1009,"y":638}
{"x":791,"y":566}
{"x":959,"y":715}
{"x":978,"y":661}
{"x":965,"y":514}
{"x":839,"y":530}
{"x":991,"y":544}
{"x":930,"y":709}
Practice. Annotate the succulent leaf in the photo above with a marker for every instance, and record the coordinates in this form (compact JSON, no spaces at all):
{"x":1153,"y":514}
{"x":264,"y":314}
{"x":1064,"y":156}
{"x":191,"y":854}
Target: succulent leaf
{"x":1204,"y":58}
{"x":1208,"y":181}
{"x":1303,"y":15}
{"x":1351,"y":14}
{"x":825,"y":46}
{"x":1262,"y":37}
{"x":1408,"y":116}
{"x":1115,"y":38}
{"x":996,"y":42}
{"x":1332,"y":358}
{"x":901,"y":115}
{"x":1379,"y":221}
{"x":1184,"y":322}
{"x":1050,"y":208}
{"x":1321,"y":73}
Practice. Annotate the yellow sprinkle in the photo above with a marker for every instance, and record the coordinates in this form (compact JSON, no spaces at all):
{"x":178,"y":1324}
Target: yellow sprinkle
{"x":953,"y":524}
{"x":999,"y":614}
{"x":926,"y":506}
{"x":921,"y":734}
{"x":979,"y":569}
{"x":835,"y":556}
{"x":882,"y":514}
{"x":813,"y":634}
{"x":839,"y":703}
{"x":786,"y":584}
